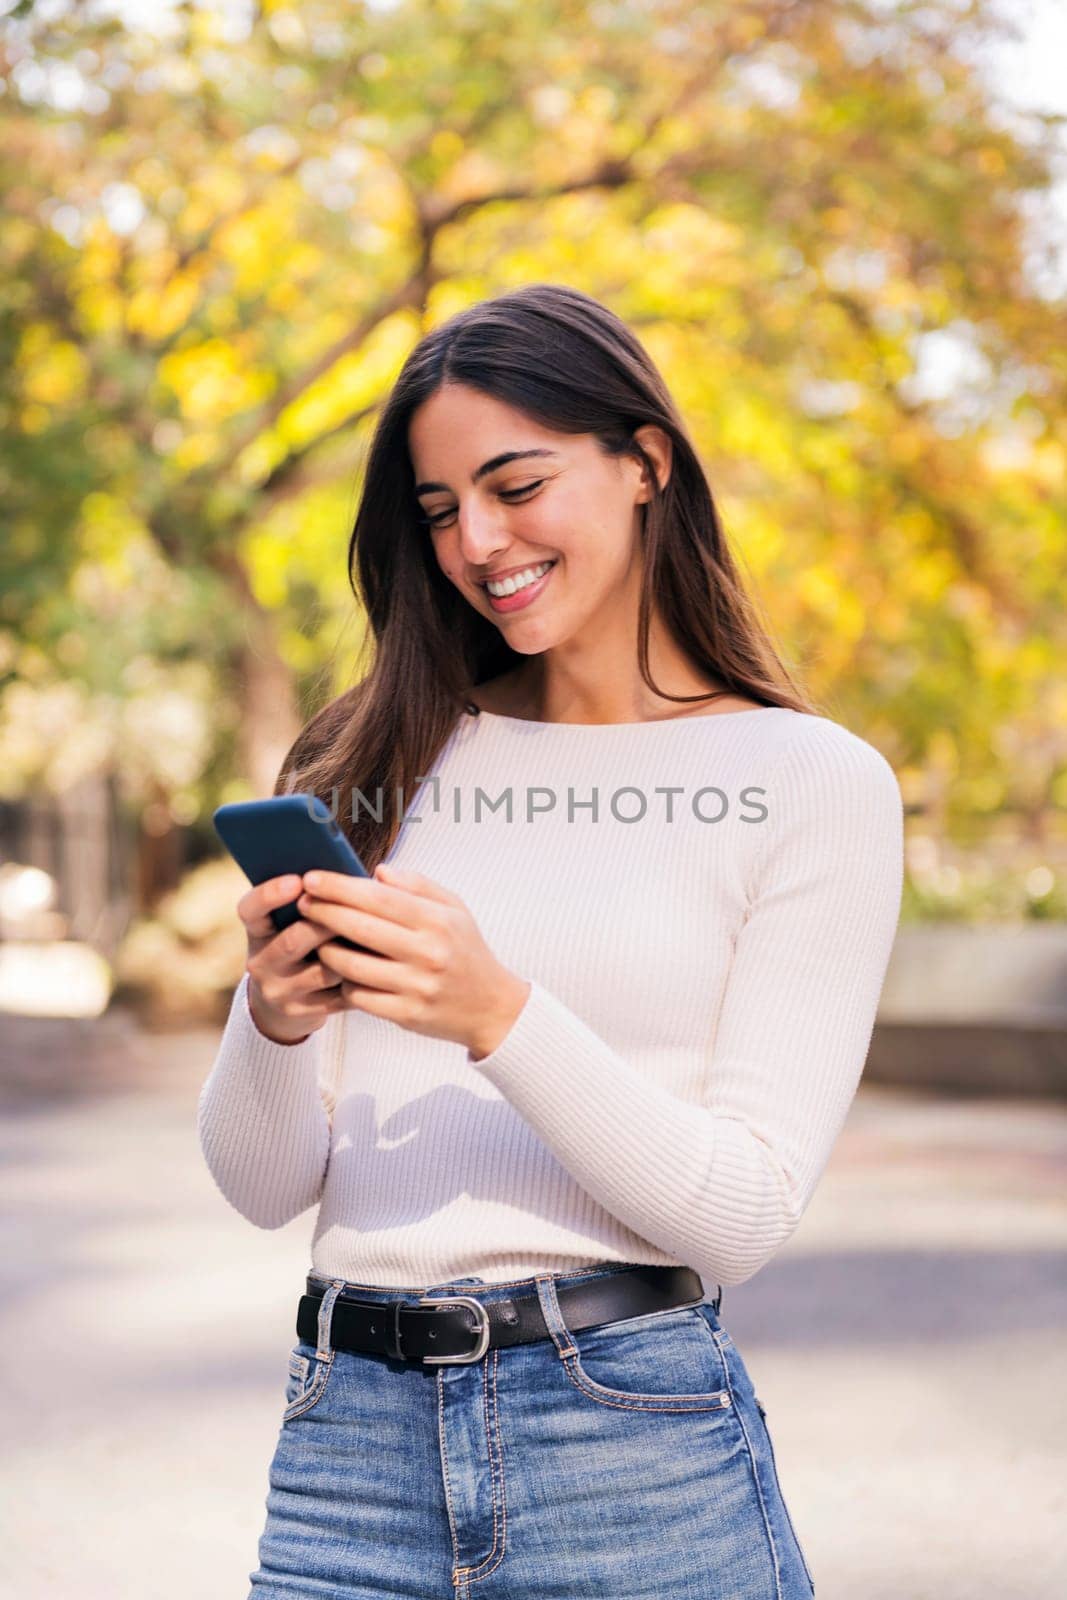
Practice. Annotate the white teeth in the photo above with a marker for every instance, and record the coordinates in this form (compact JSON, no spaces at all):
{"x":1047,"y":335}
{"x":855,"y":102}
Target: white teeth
{"x":519,"y":580}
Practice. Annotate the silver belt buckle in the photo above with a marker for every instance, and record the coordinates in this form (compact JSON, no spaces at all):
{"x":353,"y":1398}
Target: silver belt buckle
{"x":476,"y":1306}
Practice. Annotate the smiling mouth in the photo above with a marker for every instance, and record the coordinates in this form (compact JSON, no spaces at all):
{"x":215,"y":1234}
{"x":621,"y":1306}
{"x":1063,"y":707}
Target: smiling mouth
{"x":484,"y":583}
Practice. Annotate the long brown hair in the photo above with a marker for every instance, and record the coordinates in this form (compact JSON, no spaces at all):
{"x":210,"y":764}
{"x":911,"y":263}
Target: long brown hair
{"x":571,"y":364}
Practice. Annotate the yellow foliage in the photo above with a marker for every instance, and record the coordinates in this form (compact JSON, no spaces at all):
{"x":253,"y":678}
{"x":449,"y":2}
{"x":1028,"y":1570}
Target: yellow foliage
{"x":930,"y":574}
{"x":254,"y":242}
{"x":107,"y":532}
{"x":818,"y":588}
{"x":34,"y":418}
{"x":56,"y":371}
{"x":384,"y":198}
{"x":353,"y":382}
{"x":158,"y":309}
{"x":597,"y":100}
{"x":1050,"y":464}
{"x":195,"y":450}
{"x":101,"y":310}
{"x":258,"y":459}
{"x":757,"y":532}
{"x":267,"y":568}
{"x":223,"y":314}
{"x":473,"y":172}
{"x":446,"y":145}
{"x":688,"y":227}
{"x":285,"y":296}
{"x":210,"y":382}
{"x":943,"y":750}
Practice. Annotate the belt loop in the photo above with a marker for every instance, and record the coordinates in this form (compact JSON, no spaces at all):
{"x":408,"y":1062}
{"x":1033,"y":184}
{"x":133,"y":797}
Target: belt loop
{"x":325,"y":1349}
{"x":550,"y":1310}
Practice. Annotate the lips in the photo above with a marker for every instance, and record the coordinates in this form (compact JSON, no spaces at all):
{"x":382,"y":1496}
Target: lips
{"x":522,"y":597}
{"x":513,"y":572}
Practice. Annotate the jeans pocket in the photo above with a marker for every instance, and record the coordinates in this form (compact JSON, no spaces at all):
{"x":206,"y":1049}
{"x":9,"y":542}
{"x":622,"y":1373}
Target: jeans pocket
{"x":664,"y":1361}
{"x":307,"y":1380}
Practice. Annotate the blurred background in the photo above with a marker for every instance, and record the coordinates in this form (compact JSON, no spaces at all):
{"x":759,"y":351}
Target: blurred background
{"x":840,"y":227}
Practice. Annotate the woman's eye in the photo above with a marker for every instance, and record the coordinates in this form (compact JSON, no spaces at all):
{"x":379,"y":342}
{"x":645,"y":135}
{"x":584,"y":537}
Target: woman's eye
{"x":509,"y":494}
{"x":505,"y":494}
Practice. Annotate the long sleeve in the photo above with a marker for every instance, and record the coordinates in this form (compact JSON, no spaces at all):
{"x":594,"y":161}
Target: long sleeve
{"x":264,"y":1116}
{"x":720,"y":1185}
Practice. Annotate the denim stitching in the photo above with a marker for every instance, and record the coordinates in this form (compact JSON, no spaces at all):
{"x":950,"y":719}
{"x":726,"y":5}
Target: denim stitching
{"x":324,"y":1347}
{"x":311,"y":1396}
{"x":324,"y":1356}
{"x":715,"y":1401}
{"x":718,"y":1336}
{"x":471,"y":1572}
{"x":496,"y":1465}
{"x":443,"y":1448}
{"x":785,"y":1507}
{"x":755,"y":1479}
{"x":553,"y":1314}
{"x":619,"y":1400}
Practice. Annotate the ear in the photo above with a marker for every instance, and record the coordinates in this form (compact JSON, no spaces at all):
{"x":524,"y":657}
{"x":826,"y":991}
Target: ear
{"x":656,"y":443}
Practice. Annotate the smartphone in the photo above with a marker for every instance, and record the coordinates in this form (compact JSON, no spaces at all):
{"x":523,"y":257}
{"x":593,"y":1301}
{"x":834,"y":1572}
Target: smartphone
{"x":288,"y":833}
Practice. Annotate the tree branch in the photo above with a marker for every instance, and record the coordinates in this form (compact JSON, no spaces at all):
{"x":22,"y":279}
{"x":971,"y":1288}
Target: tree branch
{"x":294,"y":473}
{"x":411,"y":293}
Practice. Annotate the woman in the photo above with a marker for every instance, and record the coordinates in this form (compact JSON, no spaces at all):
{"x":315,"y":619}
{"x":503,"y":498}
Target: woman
{"x":621,"y":959}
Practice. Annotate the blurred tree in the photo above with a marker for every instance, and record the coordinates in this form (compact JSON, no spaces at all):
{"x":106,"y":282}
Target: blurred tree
{"x":225,"y":226}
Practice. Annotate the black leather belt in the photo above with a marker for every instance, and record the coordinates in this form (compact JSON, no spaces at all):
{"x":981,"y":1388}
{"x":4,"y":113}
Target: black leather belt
{"x":460,"y":1327}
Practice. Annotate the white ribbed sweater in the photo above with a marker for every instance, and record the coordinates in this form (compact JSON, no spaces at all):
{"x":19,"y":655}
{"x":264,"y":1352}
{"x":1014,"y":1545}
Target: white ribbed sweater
{"x":702,"y":998}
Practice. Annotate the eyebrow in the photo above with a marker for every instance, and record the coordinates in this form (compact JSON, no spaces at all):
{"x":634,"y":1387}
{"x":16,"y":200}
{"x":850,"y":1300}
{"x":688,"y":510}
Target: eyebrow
{"x":488,"y":466}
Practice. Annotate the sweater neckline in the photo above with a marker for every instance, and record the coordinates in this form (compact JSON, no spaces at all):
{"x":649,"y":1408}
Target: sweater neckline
{"x":657,"y":722}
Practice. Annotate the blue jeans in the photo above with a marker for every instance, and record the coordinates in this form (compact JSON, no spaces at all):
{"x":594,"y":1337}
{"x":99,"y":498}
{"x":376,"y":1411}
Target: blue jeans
{"x":627,"y":1461}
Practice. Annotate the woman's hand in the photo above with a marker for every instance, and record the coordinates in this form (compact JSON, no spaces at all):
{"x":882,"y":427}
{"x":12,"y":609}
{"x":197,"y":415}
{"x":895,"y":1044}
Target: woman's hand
{"x":435,"y":974}
{"x":290,"y":994}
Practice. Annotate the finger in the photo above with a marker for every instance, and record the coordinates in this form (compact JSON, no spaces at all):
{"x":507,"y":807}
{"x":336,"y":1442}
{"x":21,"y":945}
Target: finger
{"x":288,"y":974}
{"x":254,"y":907}
{"x":315,"y":1004}
{"x":374,"y":1003}
{"x":369,"y":972}
{"x":333,"y":1000}
{"x":291,"y":949}
{"x":302,"y":963}
{"x":320,"y":982}
{"x":415,"y":883}
{"x":384,"y":937}
{"x":401,"y":903}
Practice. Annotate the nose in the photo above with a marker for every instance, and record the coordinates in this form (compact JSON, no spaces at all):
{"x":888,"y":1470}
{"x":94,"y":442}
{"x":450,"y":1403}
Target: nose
{"x":480,"y":535}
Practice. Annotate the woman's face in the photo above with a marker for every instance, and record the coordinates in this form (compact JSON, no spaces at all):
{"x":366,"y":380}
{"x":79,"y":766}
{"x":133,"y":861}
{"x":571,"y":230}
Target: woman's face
{"x":564,"y":502}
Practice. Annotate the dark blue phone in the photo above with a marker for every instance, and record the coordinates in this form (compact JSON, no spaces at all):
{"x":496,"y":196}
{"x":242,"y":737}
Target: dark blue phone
{"x":288,"y":833}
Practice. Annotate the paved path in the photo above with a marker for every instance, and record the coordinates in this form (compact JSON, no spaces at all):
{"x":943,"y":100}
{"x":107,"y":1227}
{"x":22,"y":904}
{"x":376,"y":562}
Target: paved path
{"x":908,"y":1343}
